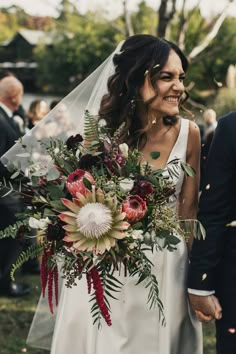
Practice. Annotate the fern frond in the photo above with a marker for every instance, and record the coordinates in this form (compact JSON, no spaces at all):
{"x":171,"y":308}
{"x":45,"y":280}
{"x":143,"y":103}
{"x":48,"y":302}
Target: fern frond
{"x":34,"y":251}
{"x":11,"y":230}
{"x":91,"y":131}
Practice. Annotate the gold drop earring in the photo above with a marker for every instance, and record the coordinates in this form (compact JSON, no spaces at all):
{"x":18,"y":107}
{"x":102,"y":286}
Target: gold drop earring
{"x":154,"y":121}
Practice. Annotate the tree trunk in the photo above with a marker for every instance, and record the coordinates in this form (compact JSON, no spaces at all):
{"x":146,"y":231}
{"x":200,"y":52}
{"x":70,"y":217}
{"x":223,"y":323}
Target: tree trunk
{"x":211,"y":35}
{"x":166,"y":12}
{"x":128,"y":22}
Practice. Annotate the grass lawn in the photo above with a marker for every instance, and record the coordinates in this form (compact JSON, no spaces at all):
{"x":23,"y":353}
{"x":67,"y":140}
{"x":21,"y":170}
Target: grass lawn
{"x":16,"y":316}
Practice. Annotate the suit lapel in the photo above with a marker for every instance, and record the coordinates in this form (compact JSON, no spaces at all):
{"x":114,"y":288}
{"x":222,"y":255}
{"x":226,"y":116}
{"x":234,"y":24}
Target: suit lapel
{"x":10,"y":122}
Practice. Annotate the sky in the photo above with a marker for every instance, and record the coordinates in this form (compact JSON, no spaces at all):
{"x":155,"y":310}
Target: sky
{"x":111,"y":7}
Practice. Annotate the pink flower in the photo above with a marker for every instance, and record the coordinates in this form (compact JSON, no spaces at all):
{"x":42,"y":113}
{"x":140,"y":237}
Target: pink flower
{"x":75,"y":183}
{"x":134,"y":207}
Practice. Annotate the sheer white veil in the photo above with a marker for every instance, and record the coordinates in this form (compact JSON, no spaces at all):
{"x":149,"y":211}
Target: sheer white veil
{"x":66,"y":119}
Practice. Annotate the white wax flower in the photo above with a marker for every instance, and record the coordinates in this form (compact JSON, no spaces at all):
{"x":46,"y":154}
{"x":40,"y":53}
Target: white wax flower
{"x":126,"y":185}
{"x":39,"y":224}
{"x":149,"y":236}
{"x":124,"y":149}
{"x":137,"y":234}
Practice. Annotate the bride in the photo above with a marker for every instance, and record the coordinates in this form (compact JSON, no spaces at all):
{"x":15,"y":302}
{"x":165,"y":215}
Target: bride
{"x":144,"y":91}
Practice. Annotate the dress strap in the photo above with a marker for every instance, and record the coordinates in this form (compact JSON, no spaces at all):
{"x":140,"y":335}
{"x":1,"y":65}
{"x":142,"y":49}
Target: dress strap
{"x":180,"y":148}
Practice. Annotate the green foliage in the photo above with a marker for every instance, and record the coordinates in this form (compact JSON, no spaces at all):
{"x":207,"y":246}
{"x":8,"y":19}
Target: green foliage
{"x":12,"y":230}
{"x":143,"y":270}
{"x":8,"y":25}
{"x":224,"y":101}
{"x":74,"y":56}
{"x":145,"y":19}
{"x":33,"y":251}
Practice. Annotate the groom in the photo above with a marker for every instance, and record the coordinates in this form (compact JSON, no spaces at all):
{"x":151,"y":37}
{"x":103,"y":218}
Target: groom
{"x":212,"y":274}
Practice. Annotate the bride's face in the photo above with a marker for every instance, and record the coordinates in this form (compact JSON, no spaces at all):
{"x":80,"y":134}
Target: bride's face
{"x":169,"y":85}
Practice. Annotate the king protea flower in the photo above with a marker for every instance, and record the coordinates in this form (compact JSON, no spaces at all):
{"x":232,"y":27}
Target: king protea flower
{"x":75,"y":184}
{"x":94,"y":222}
{"x":134,"y":207}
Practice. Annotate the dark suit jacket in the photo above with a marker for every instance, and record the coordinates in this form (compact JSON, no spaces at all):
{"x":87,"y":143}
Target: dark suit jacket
{"x":213,"y":260}
{"x":9,"y":133}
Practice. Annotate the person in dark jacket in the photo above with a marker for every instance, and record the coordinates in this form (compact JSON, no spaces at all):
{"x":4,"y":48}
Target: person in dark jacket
{"x":212,"y":273}
{"x":11,"y":91}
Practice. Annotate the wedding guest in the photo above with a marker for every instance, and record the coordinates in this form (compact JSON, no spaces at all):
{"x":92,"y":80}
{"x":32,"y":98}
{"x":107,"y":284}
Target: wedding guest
{"x":19,"y":114}
{"x":209,"y":117}
{"x":11,"y":92}
{"x":37,"y":111}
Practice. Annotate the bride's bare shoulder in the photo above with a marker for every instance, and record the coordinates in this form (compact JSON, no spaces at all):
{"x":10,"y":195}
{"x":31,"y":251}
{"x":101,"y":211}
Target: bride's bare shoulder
{"x":194,"y":141}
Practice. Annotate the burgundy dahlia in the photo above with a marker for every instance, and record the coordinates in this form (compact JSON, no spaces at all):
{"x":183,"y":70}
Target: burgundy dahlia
{"x":55,"y":232}
{"x":143,"y":188}
{"x":87,"y":161}
{"x":73,"y":142}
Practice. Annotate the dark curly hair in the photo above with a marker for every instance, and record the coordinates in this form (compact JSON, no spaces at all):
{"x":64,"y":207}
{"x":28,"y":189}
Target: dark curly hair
{"x":122,"y":103}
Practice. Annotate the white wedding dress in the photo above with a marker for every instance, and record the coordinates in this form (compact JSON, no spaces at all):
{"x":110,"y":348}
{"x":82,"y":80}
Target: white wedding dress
{"x":135,"y":329}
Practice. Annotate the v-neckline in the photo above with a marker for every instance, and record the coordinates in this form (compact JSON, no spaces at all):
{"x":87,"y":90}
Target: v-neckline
{"x":172,"y":150}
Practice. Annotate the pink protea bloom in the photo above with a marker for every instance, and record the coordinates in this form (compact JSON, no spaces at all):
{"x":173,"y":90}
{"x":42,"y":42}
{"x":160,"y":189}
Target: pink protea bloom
{"x":75,"y":184}
{"x":134,"y":207}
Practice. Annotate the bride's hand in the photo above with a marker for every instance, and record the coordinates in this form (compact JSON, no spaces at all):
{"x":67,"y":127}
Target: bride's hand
{"x":206,"y":308}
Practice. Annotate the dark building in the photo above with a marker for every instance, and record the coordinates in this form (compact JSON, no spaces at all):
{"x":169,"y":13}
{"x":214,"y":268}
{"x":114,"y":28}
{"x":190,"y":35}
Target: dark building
{"x":17,"y":55}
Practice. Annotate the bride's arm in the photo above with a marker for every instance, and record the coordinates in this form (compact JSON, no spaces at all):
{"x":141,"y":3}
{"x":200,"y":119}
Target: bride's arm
{"x":188,"y":199}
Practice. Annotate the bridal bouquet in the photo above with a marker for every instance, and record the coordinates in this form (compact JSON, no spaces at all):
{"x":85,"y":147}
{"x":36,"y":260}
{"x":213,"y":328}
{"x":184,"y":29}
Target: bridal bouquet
{"x":98,"y":209}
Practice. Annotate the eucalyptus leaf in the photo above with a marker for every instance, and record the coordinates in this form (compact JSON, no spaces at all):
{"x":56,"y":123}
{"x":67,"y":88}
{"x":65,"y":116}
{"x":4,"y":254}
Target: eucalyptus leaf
{"x":34,"y":181}
{"x":188,"y":169}
{"x":173,"y":240}
{"x":52,"y":174}
{"x":58,"y":205}
{"x":40,"y":173}
{"x":55,"y":191}
{"x":16,"y":174}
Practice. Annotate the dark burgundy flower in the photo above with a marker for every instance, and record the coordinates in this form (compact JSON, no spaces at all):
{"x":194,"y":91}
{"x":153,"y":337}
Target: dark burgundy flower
{"x":120,"y":160}
{"x":113,"y":164}
{"x":73,"y":142}
{"x":143,"y":188}
{"x":55,"y":232}
{"x":87,"y":161}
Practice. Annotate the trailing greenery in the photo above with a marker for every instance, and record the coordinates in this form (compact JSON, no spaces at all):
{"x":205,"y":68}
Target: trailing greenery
{"x":12,"y":230}
{"x":33,"y":251}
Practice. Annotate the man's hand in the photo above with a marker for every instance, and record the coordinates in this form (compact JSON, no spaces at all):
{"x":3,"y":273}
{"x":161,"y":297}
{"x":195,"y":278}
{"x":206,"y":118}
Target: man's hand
{"x":206,"y":308}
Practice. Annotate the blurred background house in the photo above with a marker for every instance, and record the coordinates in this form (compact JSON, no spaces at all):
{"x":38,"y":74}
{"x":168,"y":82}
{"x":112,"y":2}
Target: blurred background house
{"x":17,"y":55}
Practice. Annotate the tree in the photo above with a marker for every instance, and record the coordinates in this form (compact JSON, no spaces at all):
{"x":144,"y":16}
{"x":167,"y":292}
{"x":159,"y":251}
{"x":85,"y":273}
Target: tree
{"x":74,"y":56}
{"x":166,"y":13}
